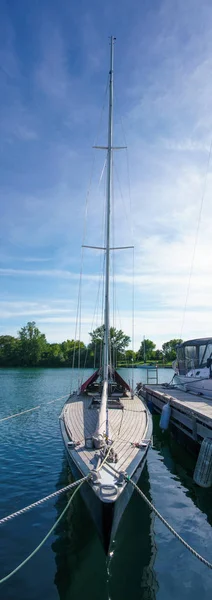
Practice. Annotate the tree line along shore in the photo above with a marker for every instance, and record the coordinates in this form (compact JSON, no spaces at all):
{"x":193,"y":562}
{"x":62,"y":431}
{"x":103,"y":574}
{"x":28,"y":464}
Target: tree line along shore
{"x":31,"y":349}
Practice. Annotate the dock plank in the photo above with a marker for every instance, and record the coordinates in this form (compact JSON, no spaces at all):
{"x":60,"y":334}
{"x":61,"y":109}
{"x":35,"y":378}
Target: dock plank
{"x":190,"y":412}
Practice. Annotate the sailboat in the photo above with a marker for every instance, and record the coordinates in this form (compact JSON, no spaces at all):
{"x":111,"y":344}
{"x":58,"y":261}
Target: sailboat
{"x":105,"y":426}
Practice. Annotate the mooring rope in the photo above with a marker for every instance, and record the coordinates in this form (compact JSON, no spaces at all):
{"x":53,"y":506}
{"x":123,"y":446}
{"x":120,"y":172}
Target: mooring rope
{"x":111,"y":445}
{"x":194,"y":552}
{"x":23,"y":412}
{"x":38,"y":502}
{"x":79,"y":484}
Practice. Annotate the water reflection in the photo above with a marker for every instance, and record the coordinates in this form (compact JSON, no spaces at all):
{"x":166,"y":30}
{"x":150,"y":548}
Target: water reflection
{"x":181,"y":464}
{"x":131,"y":570}
{"x":82,"y":568}
{"x":79,"y":556}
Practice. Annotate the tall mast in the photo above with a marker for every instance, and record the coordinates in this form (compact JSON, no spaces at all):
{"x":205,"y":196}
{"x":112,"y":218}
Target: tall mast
{"x":102,"y":428}
{"x":109,"y":189}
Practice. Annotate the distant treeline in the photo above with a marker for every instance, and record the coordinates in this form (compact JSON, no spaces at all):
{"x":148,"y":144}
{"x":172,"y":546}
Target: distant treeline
{"x":31,"y":349}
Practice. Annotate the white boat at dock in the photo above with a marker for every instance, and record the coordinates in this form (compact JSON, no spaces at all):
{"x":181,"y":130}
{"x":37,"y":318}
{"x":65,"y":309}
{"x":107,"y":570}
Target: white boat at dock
{"x":193,"y":366}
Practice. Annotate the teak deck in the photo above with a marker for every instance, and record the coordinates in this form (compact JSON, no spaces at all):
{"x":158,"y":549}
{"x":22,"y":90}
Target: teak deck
{"x":190,"y":413}
{"x":127,"y":427}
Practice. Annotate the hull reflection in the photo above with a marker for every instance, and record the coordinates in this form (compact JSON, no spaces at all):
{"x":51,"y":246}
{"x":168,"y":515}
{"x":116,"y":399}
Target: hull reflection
{"x":82,"y":568}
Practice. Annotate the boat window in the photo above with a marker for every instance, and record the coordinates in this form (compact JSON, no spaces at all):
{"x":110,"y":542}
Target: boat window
{"x":207,"y":354}
{"x":191,"y":357}
{"x":181,"y":360}
{"x":201,"y":354}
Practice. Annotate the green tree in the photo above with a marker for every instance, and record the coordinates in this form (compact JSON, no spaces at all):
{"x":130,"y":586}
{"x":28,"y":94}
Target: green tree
{"x":169,"y":349}
{"x":32,"y":344}
{"x":146,"y":350}
{"x":68,"y":349}
{"x":158,"y":355}
{"x":9,"y":351}
{"x":130,"y":356}
{"x":118,"y":342}
{"x":74,"y":348}
{"x":53,"y":356}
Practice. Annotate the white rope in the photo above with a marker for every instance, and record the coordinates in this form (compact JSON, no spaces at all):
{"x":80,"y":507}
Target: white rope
{"x":24,"y":562}
{"x":39,"y":502}
{"x":23,"y":412}
{"x":201,"y":558}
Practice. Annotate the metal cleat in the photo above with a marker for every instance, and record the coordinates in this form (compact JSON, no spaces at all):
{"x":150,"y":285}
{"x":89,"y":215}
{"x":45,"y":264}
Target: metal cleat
{"x":95,"y":477}
{"x":121,"y":478}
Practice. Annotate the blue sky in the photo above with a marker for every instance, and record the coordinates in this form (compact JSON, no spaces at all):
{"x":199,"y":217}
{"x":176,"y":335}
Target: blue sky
{"x":53,"y":72}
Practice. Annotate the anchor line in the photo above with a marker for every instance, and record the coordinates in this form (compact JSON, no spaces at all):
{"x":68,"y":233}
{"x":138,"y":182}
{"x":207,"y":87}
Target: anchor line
{"x":194,"y":552}
{"x":41,"y":501}
{"x":78,"y":483}
{"x":23,"y":412}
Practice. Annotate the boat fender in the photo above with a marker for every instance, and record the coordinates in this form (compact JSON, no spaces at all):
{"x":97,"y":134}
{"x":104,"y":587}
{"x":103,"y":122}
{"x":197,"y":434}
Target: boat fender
{"x":203,"y":469}
{"x":165,"y":417}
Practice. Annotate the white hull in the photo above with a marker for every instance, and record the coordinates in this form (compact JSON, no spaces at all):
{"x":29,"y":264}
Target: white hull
{"x":106,"y":514}
{"x":194,"y":384}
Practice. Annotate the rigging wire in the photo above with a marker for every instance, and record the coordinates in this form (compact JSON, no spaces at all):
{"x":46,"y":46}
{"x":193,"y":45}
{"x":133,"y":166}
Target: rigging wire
{"x":128,"y":214}
{"x":79,"y":305}
{"x":104,"y":235}
{"x":100,"y":319}
{"x":133,"y":311}
{"x":100,"y":284}
{"x":79,"y":309}
{"x":94,"y":315}
{"x":130,"y":220}
{"x":196,"y":239}
{"x":113,"y":266}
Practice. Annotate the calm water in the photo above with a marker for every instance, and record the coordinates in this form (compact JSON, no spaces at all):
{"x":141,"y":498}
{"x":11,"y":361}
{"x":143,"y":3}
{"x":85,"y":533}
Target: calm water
{"x":148,"y":562}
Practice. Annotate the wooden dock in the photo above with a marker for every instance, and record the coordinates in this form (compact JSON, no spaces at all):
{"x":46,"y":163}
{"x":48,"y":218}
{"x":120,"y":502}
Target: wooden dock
{"x":190,"y":413}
